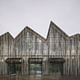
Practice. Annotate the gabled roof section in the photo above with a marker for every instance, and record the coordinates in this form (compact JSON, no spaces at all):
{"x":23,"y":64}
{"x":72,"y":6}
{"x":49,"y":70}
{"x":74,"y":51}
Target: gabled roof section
{"x":56,"y":27}
{"x":53,"y":25}
{"x":35,"y":33}
{"x":7,"y":33}
{"x":32,"y":31}
{"x":20,"y":33}
{"x":75,"y":35}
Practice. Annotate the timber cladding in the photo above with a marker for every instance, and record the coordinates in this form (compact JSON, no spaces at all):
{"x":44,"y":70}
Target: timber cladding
{"x":58,"y":54}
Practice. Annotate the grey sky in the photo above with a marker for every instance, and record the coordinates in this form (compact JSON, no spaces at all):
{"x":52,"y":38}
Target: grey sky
{"x":37,"y":14}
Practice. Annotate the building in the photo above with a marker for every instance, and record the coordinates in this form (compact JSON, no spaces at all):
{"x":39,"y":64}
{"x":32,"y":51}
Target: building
{"x":31,"y":54}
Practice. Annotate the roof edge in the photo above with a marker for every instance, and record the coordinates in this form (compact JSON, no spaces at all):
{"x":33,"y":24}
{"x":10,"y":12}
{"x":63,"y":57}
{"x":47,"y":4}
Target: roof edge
{"x":31,"y":30}
{"x":59,"y":29}
{"x":7,"y":33}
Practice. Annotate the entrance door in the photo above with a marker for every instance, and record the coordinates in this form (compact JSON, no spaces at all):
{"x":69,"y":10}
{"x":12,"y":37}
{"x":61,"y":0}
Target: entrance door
{"x":35,"y":67}
{"x":13,"y":68}
{"x":56,"y":68}
{"x":14,"y":65}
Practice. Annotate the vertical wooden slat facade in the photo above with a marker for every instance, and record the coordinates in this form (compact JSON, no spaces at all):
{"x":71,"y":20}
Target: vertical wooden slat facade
{"x":6,"y":51}
{"x":29,"y":44}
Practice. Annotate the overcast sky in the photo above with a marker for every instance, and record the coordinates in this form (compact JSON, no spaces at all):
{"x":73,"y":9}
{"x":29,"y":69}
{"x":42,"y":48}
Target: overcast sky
{"x":37,"y":14}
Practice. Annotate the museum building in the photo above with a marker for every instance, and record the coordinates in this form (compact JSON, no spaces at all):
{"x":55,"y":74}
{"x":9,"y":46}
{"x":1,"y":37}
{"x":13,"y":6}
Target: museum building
{"x":31,"y":54}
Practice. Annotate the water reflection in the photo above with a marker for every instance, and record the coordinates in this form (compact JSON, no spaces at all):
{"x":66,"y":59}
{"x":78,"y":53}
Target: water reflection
{"x":38,"y":78}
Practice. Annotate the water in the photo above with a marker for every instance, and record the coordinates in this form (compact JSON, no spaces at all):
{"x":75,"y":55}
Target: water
{"x":38,"y":78}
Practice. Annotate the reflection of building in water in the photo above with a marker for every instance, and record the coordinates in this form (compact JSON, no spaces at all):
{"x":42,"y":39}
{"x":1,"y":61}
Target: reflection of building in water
{"x":31,"y":54}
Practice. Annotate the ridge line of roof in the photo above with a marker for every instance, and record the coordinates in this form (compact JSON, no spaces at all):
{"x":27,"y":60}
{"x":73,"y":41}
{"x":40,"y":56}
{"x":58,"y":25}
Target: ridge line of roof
{"x":28,"y":28}
{"x":59,"y":28}
{"x":7,"y":33}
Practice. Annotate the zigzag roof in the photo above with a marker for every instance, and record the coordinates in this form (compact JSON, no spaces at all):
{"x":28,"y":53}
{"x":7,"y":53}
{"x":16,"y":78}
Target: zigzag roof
{"x":38,"y":35}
